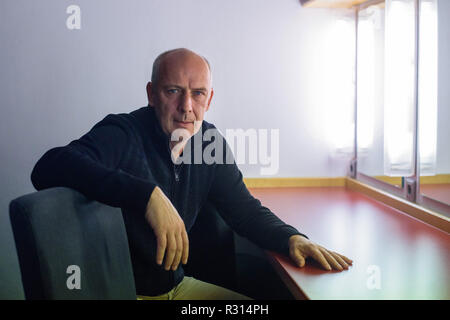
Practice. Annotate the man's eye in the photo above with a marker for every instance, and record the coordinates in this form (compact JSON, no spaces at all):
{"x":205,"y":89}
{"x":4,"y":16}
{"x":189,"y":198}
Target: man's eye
{"x":172,"y":90}
{"x":198,"y":93}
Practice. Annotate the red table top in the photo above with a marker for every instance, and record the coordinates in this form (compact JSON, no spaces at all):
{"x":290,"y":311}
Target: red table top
{"x":395,"y":256}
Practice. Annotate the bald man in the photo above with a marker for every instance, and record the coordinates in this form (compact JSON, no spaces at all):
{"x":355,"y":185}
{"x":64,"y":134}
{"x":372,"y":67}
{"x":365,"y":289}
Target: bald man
{"x":130,"y":161}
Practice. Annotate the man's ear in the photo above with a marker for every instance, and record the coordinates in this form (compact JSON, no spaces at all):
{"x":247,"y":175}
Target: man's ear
{"x":210,"y":98}
{"x":150,"y":93}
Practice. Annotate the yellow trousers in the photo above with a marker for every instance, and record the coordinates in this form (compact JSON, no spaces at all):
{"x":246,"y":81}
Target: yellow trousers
{"x":192,"y":289}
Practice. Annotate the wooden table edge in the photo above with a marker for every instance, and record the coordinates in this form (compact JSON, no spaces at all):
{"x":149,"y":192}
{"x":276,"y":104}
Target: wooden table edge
{"x":290,"y":283}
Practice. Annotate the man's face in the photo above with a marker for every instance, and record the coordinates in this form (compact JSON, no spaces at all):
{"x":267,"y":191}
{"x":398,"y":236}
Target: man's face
{"x":182,"y":93}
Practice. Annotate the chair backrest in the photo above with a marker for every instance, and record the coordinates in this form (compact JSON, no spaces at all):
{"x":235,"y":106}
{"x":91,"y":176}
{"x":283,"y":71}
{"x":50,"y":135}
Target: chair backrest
{"x":65,"y":240}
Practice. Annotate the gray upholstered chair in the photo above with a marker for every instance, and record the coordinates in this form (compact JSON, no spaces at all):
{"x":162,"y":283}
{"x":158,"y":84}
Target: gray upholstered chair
{"x":59,"y":227}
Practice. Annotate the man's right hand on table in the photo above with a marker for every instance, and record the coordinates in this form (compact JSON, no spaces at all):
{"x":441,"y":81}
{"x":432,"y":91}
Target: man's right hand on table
{"x":170,"y":231}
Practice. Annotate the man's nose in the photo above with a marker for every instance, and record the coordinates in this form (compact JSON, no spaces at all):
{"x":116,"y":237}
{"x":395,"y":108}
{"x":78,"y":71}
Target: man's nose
{"x":186,"y":103}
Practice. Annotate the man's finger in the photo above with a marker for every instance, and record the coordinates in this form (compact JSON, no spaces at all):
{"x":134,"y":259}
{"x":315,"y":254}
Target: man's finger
{"x":331,"y":260}
{"x":185,"y":238}
{"x":318,"y":256}
{"x":339,"y":259}
{"x":178,"y":252}
{"x":171,"y":250}
{"x":349,"y":261}
{"x":161,"y":248}
{"x":299,"y":259}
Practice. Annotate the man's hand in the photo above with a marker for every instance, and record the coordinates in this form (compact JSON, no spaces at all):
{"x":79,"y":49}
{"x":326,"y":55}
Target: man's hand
{"x":169,"y":229}
{"x":300,"y":248}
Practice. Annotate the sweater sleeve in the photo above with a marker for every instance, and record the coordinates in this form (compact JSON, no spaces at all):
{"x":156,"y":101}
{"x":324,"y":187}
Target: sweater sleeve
{"x":90,"y":165}
{"x":244,"y":213}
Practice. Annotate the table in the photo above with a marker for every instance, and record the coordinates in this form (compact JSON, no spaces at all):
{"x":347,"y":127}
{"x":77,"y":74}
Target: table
{"x":395,"y":256}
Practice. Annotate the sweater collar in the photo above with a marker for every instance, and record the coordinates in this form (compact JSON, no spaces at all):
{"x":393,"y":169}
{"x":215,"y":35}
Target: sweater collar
{"x":156,"y":126}
{"x":163,"y":138}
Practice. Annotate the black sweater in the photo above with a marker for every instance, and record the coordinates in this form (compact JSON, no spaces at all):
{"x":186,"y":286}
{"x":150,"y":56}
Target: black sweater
{"x":121,"y":160}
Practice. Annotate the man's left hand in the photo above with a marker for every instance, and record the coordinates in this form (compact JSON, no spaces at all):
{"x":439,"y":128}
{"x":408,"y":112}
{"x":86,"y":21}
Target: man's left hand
{"x":301,"y":248}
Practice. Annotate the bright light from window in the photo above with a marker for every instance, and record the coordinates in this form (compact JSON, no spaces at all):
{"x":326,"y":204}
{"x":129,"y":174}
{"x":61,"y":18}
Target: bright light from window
{"x":428,"y":64}
{"x":366,"y":82}
{"x":399,"y":88}
{"x":341,"y":95}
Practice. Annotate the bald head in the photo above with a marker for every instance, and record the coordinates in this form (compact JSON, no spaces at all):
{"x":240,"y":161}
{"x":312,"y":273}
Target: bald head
{"x":180,"y":90}
{"x":175,"y":57}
